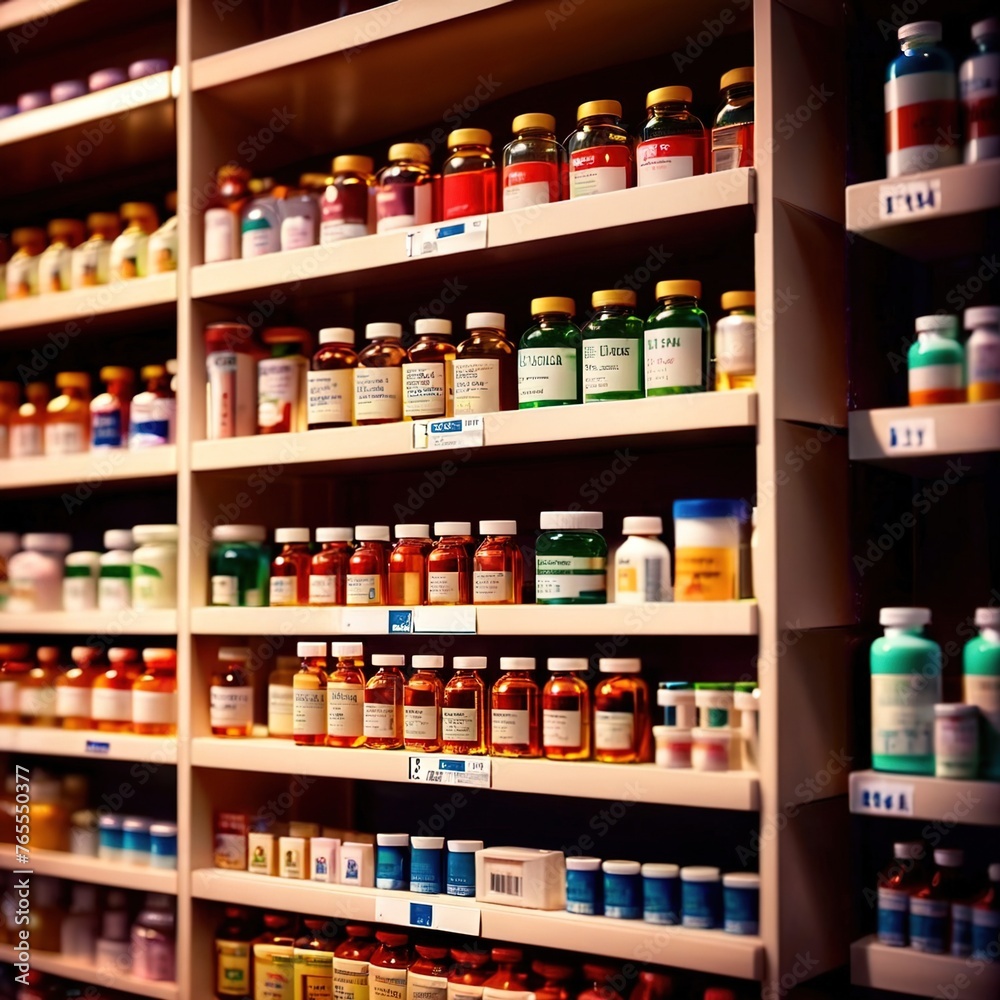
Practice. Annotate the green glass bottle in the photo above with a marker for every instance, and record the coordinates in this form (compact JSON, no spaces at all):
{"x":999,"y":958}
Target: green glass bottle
{"x":612,"y":348}
{"x":548,"y":361}
{"x":676,"y":346}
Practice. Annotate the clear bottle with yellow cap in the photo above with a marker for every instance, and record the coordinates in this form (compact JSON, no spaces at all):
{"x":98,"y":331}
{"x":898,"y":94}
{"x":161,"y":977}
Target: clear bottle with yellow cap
{"x":346,"y":208}
{"x":109,"y":410}
{"x":91,"y":263}
{"x":674,"y":142}
{"x":732,"y":134}
{"x":404,"y":188}
{"x":549,"y":372}
{"x":534,"y":163}
{"x":469,"y":174}
{"x":427,"y":371}
{"x":129,"y":252}
{"x":55,"y":264}
{"x":735,"y":339}
{"x":676,"y":342}
{"x":22,"y":268}
{"x":281,"y":381}
{"x":67,"y":417}
{"x":27,"y":425}
{"x":612,"y":348}
{"x":162,"y":250}
{"x":600,"y":151}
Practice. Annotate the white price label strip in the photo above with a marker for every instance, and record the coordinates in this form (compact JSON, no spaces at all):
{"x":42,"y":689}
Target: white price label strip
{"x":917,"y":434}
{"x":407,"y":912}
{"x":904,"y":199}
{"x":445,"y":435}
{"x":450,"y":769}
{"x":882,"y":797}
{"x":441,"y":238}
{"x":446,"y":618}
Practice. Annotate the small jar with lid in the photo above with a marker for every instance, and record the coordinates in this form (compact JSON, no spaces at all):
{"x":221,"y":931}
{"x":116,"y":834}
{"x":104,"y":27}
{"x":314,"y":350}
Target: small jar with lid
{"x":469,"y":175}
{"x":485,"y":367}
{"x":368,"y":569}
{"x":735,"y":343}
{"x":404,"y":188}
{"x":328,"y":567}
{"x":600,"y":151}
{"x":427,"y":371}
{"x":55,"y":263}
{"x":549,"y":372}
{"x":408,"y":565}
{"x":80,"y":572}
{"x":674,"y":142}
{"x":514,"y":710}
{"x":346,"y":206}
{"x":345,"y":696}
{"x":707,"y":535}
{"x":449,"y":564}
{"x":498,"y":566}
{"x":290,"y":568}
{"x":330,"y":383}
{"x":534,"y":163}
{"x":378,"y":379}
{"x":732,"y":133}
{"x":621,"y":713}
{"x":423,"y":697}
{"x":22,"y":268}
{"x":239,"y":566}
{"x":612,"y":348}
{"x":676,"y":347}
{"x":642,"y":563}
{"x":571,"y":558}
{"x":36,"y":573}
{"x":464,"y":723}
{"x":566,"y":710}
{"x":231,"y":693}
{"x":91,"y":260}
{"x":129,"y":252}
{"x":154,"y":694}
{"x":935,"y":362}
{"x":222,"y":217}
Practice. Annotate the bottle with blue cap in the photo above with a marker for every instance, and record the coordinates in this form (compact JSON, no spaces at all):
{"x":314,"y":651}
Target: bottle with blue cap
{"x":707,"y":537}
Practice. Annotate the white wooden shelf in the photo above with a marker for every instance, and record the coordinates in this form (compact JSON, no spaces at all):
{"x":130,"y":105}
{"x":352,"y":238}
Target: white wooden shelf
{"x":709,"y":951}
{"x":90,"y":468}
{"x":100,"y":624}
{"x":81,"y":868}
{"x":954,"y":222}
{"x":86,"y":972}
{"x":17,"y":12}
{"x":972,"y":802}
{"x":89,"y":743}
{"x":903,"y":970}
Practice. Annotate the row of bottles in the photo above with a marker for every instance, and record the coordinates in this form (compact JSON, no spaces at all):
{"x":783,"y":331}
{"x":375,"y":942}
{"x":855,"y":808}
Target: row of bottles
{"x":940,"y":371}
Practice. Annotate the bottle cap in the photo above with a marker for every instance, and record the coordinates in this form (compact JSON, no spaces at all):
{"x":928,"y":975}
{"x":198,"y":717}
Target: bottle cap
{"x":103,"y":78}
{"x":73,"y":380}
{"x":104,"y":222}
{"x":656,"y":870}
{"x":571,"y":520}
{"x":426,"y":661}
{"x":908,"y":849}
{"x":937,"y":323}
{"x":136,"y":823}
{"x":392,"y":839}
{"x":388,"y":660}
{"x":469,"y":662}
{"x":664,"y":95}
{"x":432,"y":951}
{"x":372,"y":532}
{"x":109,"y":822}
{"x":334,"y":534}
{"x":517,"y":663}
{"x":46,"y":541}
{"x":358,"y":930}
{"x":521,"y":122}
{"x":741,"y":880}
{"x":621,"y":867}
{"x":295,"y":535}
{"x":954,"y":710}
{"x":498,"y":527}
{"x":432,"y":328}
{"x":904,"y":617}
{"x":977,"y":316}
{"x":590,"y":108}
{"x":377,"y":331}
{"x":70,"y":229}
{"x":506,"y":954}
{"x":719,"y":993}
{"x":413,"y":531}
{"x":415,"y":151}
{"x":742,"y":75}
{"x":121,"y":538}
{"x":613,"y":297}
{"x":582,"y":864}
{"x":311,"y":649}
{"x":314,"y":182}
{"x":559,"y":664}
{"x":26,"y":235}
{"x":613,"y":665}
{"x":337,"y":335}
{"x":486,"y":320}
{"x":469,"y":137}
{"x":989,"y":26}
{"x":232,"y":171}
{"x":66,"y":90}
{"x":683,"y":287}
{"x":738,"y":300}
{"x":117,"y":373}
{"x":122,"y":654}
{"x":920,"y":29}
{"x":712,"y":508}
{"x":391,"y":939}
{"x":84,"y":654}
{"x":149,"y":372}
{"x":137,"y":211}
{"x":642,"y":526}
{"x":232,"y":654}
{"x":464,"y":846}
{"x":285,"y":335}
{"x":988,"y":618}
{"x":147,"y":67}
{"x":349,"y":163}
{"x":442,"y":528}
{"x":699,"y":873}
{"x":949,"y":857}
{"x":553,"y":304}
{"x":342,"y":650}
{"x":159,"y":654}
{"x":143,"y":534}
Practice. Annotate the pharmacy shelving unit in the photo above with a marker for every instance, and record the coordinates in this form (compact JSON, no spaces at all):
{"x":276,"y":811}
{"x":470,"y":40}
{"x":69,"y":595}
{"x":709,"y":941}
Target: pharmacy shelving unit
{"x":77,"y":868}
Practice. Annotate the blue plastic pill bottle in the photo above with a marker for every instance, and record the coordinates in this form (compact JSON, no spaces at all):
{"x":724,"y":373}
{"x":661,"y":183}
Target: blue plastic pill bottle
{"x":701,"y":897}
{"x":392,"y":861}
{"x":426,"y":856}
{"x":583,"y":886}
{"x":109,"y":844}
{"x":460,"y":879}
{"x":741,"y":903}
{"x":163,"y":845}
{"x":622,"y":890}
{"x":661,"y":894}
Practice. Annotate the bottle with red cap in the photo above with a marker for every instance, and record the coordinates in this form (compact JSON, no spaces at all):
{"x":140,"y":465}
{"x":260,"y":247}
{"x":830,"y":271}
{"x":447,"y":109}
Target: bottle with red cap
{"x":467,"y":979}
{"x":931,"y":924}
{"x":556,"y":979}
{"x":652,"y":986}
{"x":510,"y":981}
{"x":350,"y":963}
{"x":428,"y":976}
{"x":603,"y":980}
{"x":389,"y":965}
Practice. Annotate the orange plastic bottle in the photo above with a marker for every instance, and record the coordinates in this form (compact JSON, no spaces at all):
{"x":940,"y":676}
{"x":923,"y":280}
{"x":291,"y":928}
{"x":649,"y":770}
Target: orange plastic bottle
{"x":566,"y":710}
{"x":498,"y":566}
{"x":368,"y":572}
{"x":383,"y":718}
{"x":449,"y":565}
{"x":290,"y":569}
{"x":408,"y":565}
{"x":622,"y":724}
{"x":422,"y":701}
{"x":67,"y":421}
{"x":154,"y":694}
{"x":345,"y":696}
{"x":387,"y":971}
{"x":463,"y":709}
{"x":514,"y":699}
{"x":328,"y":568}
{"x":74,"y":689}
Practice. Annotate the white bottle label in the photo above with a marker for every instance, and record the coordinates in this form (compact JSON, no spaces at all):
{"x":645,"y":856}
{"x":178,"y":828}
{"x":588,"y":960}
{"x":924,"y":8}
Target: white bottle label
{"x":322,"y":589}
{"x":230,"y":706}
{"x":673,"y":357}
{"x":492,"y":587}
{"x":79,"y":593}
{"x":109,"y":705}
{"x":378,"y":394}
{"x":546,"y":374}
{"x":25,"y":440}
{"x":8,"y":697}
{"x":380,"y":720}
{"x":35,"y":701}
{"x":420,"y":722}
{"x":278,"y":387}
{"x":73,"y":703}
{"x":221,"y":231}
{"x":386,"y":983}
{"x":64,"y":438}
{"x":154,"y":707}
{"x":309,"y":711}
{"x":283,"y":590}
{"x":613,"y":730}
{"x":259,"y":241}
{"x":297,"y":231}
{"x":491,"y":993}
{"x":423,"y":390}
{"x":903,"y":714}
{"x":984,"y":362}
{"x":114,"y":593}
{"x":560,"y":729}
{"x":640,"y":579}
{"x":421,"y":987}
{"x":364,"y":588}
{"x":350,"y":979}
{"x":151,"y":421}
{"x":477,"y":385}
{"x":345,"y":709}
{"x":459,"y":724}
{"x":225,"y":591}
{"x":611,"y":365}
{"x":280,"y":701}
{"x":526,"y":195}
{"x":329,"y":397}
{"x":656,"y":160}
{"x":442,"y":588}
{"x":983,"y":691}
{"x":509,"y":727}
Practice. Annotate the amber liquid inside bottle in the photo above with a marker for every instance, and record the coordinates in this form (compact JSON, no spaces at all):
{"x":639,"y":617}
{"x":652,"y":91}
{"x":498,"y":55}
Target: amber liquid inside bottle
{"x":37,"y":690}
{"x":309,"y":715}
{"x":566,"y":718}
{"x":408,"y":572}
{"x":345,"y":704}
{"x":333,"y":357}
{"x":367,"y":574}
{"x":463,"y":714}
{"x":231,"y":687}
{"x":328,"y":574}
{"x":449,"y":576}
{"x":474,"y":356}
{"x":290,"y":575}
{"x":498,"y":571}
{"x":422,"y":701}
{"x":111,"y":697}
{"x":159,"y":681}
{"x":621,"y":715}
{"x":387,"y":352}
{"x":430,"y":349}
{"x":514,"y":729}
{"x":384,"y":709}
{"x":73,"y":692}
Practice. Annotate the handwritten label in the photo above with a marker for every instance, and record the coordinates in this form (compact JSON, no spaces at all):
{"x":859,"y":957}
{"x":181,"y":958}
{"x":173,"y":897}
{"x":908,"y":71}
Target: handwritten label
{"x":445,"y":435}
{"x":913,"y":434}
{"x":442,"y":238}
{"x":450,"y":770}
{"x":403,"y":912}
{"x":904,"y":199}
{"x":877,"y":796}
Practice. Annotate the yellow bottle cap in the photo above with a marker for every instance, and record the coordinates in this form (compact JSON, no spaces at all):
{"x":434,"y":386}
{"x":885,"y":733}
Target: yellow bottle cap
{"x":313,"y":182}
{"x":552,"y":304}
{"x":232,"y":171}
{"x":663,"y":95}
{"x":73,"y":380}
{"x":415,"y":151}
{"x":521,"y":122}
{"x":107,"y":224}
{"x":739,"y":300}
{"x":171,"y":202}
{"x":261,"y":185}
{"x":147,"y":372}
{"x":26,"y":236}
{"x":613,"y":297}
{"x":665,"y":288}
{"x":132,"y":210}
{"x":116,"y":373}
{"x":285,"y":335}
{"x":354,"y":164}
{"x":590,"y":108}
{"x":70,"y":230}
{"x":37,"y":392}
{"x":742,"y":75}
{"x":469,"y":137}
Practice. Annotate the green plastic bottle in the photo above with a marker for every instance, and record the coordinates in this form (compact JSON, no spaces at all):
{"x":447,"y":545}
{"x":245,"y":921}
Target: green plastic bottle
{"x":548,"y":361}
{"x":676,"y":343}
{"x":981,"y":685}
{"x":612,"y":348}
{"x":906,"y":685}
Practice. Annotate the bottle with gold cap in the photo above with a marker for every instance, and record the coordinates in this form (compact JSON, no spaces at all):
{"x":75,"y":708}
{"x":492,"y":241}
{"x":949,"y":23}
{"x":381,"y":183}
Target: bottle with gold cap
{"x":600,"y":151}
{"x":10,"y":396}
{"x":222,"y":217}
{"x":534,"y":163}
{"x":55,"y":262}
{"x":674,"y":142}
{"x":153,"y":413}
{"x":162,"y":251}
{"x":404,"y":188}
{"x":281,"y":381}
{"x":469,"y":174}
{"x":129,"y":252}
{"x":549,"y":372}
{"x":27,"y":425}
{"x":346,"y":208}
{"x":91,"y":263}
{"x":732,"y":134}
{"x":676,"y":347}
{"x":109,"y":409}
{"x":22,"y":268}
{"x":67,"y":417}
{"x":735,"y":339}
{"x":427,"y":371}
{"x":612,"y":348}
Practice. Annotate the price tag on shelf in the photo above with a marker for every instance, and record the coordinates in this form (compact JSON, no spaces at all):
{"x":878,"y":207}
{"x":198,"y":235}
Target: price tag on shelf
{"x":447,"y":618}
{"x":450,"y":769}
{"x":441,"y":238}
{"x":366,"y":621}
{"x":445,"y":435}
{"x":911,"y":434}
{"x":97,"y":746}
{"x":877,"y":796}
{"x":405,"y":912}
{"x":904,"y":199}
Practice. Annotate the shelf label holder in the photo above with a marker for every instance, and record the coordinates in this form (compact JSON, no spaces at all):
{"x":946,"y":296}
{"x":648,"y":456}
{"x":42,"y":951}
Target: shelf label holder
{"x":403,"y":911}
{"x":905,"y":198}
{"x":97,"y":747}
{"x":451,"y":769}
{"x":911,"y":434}
{"x":440,"y":238}
{"x":446,"y":435}
{"x":882,"y":797}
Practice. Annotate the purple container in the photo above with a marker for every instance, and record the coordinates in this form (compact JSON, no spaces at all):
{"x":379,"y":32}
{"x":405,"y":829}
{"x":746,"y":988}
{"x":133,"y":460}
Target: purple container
{"x":66,"y":90}
{"x":8,"y":110}
{"x":33,"y":99}
{"x":147,"y":67}
{"x":105,"y":78}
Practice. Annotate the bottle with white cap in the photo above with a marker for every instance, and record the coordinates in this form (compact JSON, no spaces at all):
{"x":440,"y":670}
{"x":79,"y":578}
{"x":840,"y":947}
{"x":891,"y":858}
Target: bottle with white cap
{"x":383,"y":717}
{"x":408,"y":565}
{"x":463,"y":709}
{"x":368,"y":569}
{"x":935,"y":362}
{"x":449,"y":565}
{"x":422,"y":700}
{"x":328,"y":567}
{"x":36,"y":573}
{"x":982,"y":352}
{"x":498,"y":566}
{"x":378,"y":379}
{"x":571,"y":558}
{"x":642,"y":563}
{"x":514,"y":701}
{"x":979,"y":88}
{"x":566,"y":710}
{"x":330,"y":383}
{"x":80,"y":581}
{"x":290,"y":568}
{"x":485,"y":368}
{"x":981,"y":685}
{"x":309,"y":712}
{"x":933,"y":927}
{"x":906,"y":685}
{"x":622,"y":733}
{"x":345,"y":696}
{"x":427,"y":371}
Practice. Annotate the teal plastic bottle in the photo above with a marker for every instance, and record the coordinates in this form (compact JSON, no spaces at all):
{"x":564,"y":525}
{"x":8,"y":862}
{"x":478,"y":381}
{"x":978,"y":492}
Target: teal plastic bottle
{"x":906,"y":685}
{"x":981,"y":685}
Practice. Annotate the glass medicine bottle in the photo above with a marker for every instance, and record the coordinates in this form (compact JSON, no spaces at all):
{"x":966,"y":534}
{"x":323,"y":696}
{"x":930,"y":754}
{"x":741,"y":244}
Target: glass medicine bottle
{"x":111,"y":700}
{"x":612,"y":348}
{"x":463,"y":708}
{"x":231,"y":693}
{"x":498,"y":566}
{"x":109,"y":410}
{"x":534,"y":163}
{"x":36,"y":694}
{"x":378,"y":379}
{"x":674,"y":142}
{"x":281,"y":698}
{"x":471,"y":970}
{"x":328,"y":567}
{"x":239,"y":566}
{"x":469,"y":175}
{"x":556,"y":980}
{"x":485,"y":368}
{"x":676,"y":344}
{"x":514,"y":700}
{"x":732,"y":134}
{"x":449,"y":564}
{"x":600,"y":151}
{"x":74,"y":689}
{"x":15,"y":663}
{"x":10,"y":397}
{"x":905,"y":876}
{"x":67,"y":419}
{"x":91,"y":260}
{"x":22,"y":268}
{"x":428,"y":976}
{"x":298,"y":215}
{"x":154,"y":694}
{"x":232,"y":955}
{"x":936,"y":362}
{"x":423,"y":697}
{"x":978,"y":84}
{"x":281,"y":381}
{"x":388,"y":966}
{"x":350,"y":963}
{"x":427,"y":388}
{"x":548,"y":361}
{"x":622,"y":721}
{"x":162,"y":249}
{"x":55,"y":263}
{"x":566,"y":710}
{"x":571,"y":558}
{"x":330,"y":384}
{"x":153,"y":412}
{"x":735,"y":338}
{"x":509,"y":981}
{"x":222,"y":217}
{"x":408,"y":565}
{"x":130,"y":249}
{"x":309,"y":708}
{"x":404,"y":188}
{"x":368,"y":569}
{"x":346,"y":205}
{"x":383,"y":719}
{"x":27,"y":423}
{"x":345,"y":696}
{"x":290,"y":568}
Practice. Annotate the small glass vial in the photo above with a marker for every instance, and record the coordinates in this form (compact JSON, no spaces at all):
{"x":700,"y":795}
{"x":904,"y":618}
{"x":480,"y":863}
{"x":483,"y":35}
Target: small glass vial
{"x":231,"y":694}
{"x":571,"y":558}
{"x":427,"y":371}
{"x":345,"y":696}
{"x":383,"y":719}
{"x":534,"y":164}
{"x":55,"y":263}
{"x":979,"y":89}
{"x":109,"y":410}
{"x":449,"y":565}
{"x":408,"y":565}
{"x":498,"y":566}
{"x":309,"y":710}
{"x":514,"y":701}
{"x":674,"y":142}
{"x":612,"y":348}
{"x":463,"y":708}
{"x":129,"y":252}
{"x":549,"y":372}
{"x":368,"y":569}
{"x":67,"y":420}
{"x":290,"y":568}
{"x":330,"y":384}
{"x":22,"y":268}
{"x":622,"y":733}
{"x":281,"y":698}
{"x":735,"y":343}
{"x":346,"y":205}
{"x":422,"y":701}
{"x":600,"y":151}
{"x":222,"y":217}
{"x":74,"y":689}
{"x":154,"y":694}
{"x":111,"y":699}
{"x":153,"y":412}
{"x":378,"y":379}
{"x":260,"y":224}
{"x":469,"y":175}
{"x":677,"y":344}
{"x":566,"y":710}
{"x":642,"y":563}
{"x":936,"y":362}
{"x":328,"y":567}
{"x":732,"y":133}
{"x":281,"y":381}
{"x":404,"y":188}
{"x":91,"y":260}
{"x":896,"y":883}
{"x":485,"y":368}
{"x":239,"y":569}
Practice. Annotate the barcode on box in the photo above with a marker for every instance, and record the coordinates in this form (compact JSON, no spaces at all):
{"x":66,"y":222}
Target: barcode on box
{"x":506,"y":885}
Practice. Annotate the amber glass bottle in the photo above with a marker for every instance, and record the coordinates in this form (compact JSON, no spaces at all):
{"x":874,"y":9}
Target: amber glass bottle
{"x":498,"y":566}
{"x":111,"y":702}
{"x":328,"y":567}
{"x":231,"y":694}
{"x":368,"y":570}
{"x":408,"y":565}
{"x":622,"y":732}
{"x":383,"y":718}
{"x":388,"y":966}
{"x":378,"y":379}
{"x":154,"y":694}
{"x":566,"y":710}
{"x":485,"y":367}
{"x":290,"y":569}
{"x":463,"y":710}
{"x":514,"y":699}
{"x":36,"y":695}
{"x":427,"y":388}
{"x":422,"y":701}
{"x":74,"y":689}
{"x":330,"y":395}
{"x":345,"y":696}
{"x":449,"y":565}
{"x":309,"y":696}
